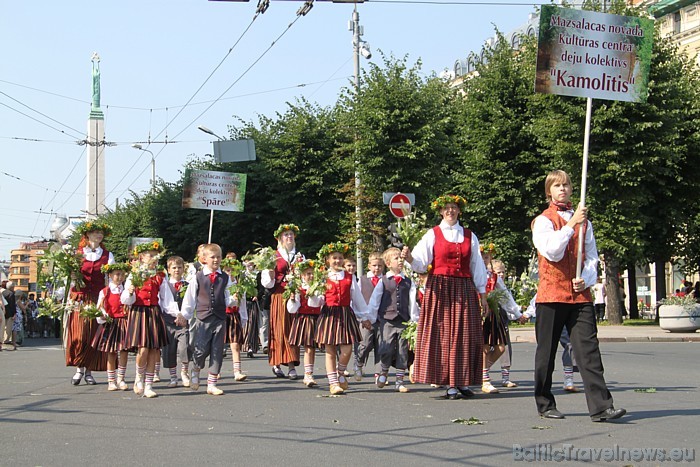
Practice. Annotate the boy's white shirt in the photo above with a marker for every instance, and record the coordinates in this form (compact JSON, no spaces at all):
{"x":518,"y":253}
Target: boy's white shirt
{"x":376,"y":299}
{"x":424,"y":250}
{"x":189,"y":302}
{"x":552,"y":244}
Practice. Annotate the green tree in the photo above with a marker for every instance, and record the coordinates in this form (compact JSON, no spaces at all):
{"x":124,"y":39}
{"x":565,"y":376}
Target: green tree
{"x":400,"y":129}
{"x":500,"y":168}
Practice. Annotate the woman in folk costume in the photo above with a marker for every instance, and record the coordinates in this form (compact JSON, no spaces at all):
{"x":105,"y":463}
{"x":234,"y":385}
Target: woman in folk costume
{"x":280,"y":351}
{"x":80,"y":331}
{"x":449,"y":344}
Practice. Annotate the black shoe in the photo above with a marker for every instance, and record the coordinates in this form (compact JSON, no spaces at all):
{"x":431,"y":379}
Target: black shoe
{"x":90,"y":380}
{"x":250,"y":354}
{"x":264,"y":350}
{"x":609,"y":414}
{"x":277,"y":371}
{"x":452,"y":395}
{"x":552,"y":413}
{"x":76,"y":379}
{"x":466,"y":392}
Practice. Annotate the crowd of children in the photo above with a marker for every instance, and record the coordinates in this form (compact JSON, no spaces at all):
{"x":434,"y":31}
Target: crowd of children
{"x":158,"y":314}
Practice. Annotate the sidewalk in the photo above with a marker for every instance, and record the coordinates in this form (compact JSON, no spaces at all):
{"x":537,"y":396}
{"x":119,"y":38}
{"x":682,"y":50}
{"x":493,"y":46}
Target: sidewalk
{"x":618,"y":334}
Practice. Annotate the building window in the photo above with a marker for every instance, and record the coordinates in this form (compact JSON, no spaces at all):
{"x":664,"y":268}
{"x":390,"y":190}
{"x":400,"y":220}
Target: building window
{"x":677,"y":22}
{"x":515,"y":41}
{"x":32,"y":287}
{"x":23,"y":282}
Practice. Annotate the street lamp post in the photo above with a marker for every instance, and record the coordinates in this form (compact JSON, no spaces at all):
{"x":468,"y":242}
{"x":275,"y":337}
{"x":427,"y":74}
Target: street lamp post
{"x":153,"y":165}
{"x":209,"y":132}
{"x":358,"y":47}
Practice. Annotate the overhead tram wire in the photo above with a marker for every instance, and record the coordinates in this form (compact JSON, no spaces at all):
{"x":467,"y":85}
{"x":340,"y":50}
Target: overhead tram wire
{"x":40,"y":113}
{"x":301,"y":12}
{"x":259,"y":10}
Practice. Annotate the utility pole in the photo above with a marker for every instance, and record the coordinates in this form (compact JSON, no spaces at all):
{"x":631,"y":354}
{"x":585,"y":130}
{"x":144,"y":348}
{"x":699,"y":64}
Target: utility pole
{"x":358,"y":47}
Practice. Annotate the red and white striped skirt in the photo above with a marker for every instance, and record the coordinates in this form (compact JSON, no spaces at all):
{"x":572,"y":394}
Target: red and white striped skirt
{"x":449,"y":341}
{"x":337,"y":325}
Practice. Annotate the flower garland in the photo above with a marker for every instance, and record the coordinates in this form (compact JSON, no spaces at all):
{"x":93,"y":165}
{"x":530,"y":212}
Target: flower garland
{"x":489,"y":247}
{"x":64,"y":265}
{"x":316,"y":287}
{"x":336,"y":247}
{"x":443,"y":200}
{"x":148,"y":246}
{"x":109,"y":268}
{"x":92,"y":226}
{"x":242,"y":283}
{"x":284,"y":227}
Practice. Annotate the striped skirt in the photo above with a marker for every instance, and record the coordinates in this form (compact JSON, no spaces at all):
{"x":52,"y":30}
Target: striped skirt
{"x":280,"y":351}
{"x":252,"y":328}
{"x":146,"y":328}
{"x":495,"y":332}
{"x":234,"y":330}
{"x":79,"y":333}
{"x":337,"y":325}
{"x":449,"y":341}
{"x":303,"y":330}
{"x":111,"y":337}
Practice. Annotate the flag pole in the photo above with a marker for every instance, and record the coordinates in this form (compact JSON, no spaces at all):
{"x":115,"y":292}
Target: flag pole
{"x":584,"y":174}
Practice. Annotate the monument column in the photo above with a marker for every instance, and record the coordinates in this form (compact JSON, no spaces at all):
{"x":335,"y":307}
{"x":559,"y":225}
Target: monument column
{"x":95,"y":187}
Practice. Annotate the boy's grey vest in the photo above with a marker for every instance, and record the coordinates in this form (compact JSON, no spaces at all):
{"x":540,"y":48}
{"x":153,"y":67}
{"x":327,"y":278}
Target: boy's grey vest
{"x":395,"y":300}
{"x":211,"y":300}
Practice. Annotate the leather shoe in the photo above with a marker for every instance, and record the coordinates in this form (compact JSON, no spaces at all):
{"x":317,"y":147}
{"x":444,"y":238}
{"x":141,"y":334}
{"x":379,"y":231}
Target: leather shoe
{"x":75,"y":380}
{"x":608,"y":414}
{"x":466,"y":392}
{"x":552,"y":413}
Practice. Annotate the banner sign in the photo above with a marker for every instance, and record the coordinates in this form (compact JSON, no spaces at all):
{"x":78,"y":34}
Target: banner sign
{"x":219,"y":191}
{"x":590,"y":54}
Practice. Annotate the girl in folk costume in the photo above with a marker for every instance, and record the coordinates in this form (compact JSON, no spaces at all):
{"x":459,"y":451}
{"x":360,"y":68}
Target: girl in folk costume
{"x":81,"y":331}
{"x":145,"y":293}
{"x":236,"y":320}
{"x":280,"y":351}
{"x":111,"y":336}
{"x":251,"y":331}
{"x":338,"y":323}
{"x":449,"y":343}
{"x":306,"y":310}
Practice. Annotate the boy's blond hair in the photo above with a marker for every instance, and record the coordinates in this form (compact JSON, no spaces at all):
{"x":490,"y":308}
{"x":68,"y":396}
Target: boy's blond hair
{"x":553,"y":177}
{"x":175,"y":260}
{"x":389,"y":253}
{"x":375,"y":255}
{"x":211,"y":248}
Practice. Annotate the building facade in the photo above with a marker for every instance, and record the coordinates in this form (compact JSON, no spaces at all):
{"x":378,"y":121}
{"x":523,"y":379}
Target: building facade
{"x":24,"y":265}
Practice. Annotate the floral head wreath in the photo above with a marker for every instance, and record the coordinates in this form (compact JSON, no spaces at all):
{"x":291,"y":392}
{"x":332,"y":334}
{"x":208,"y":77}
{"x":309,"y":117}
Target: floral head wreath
{"x":110,"y":268}
{"x":92,"y":226}
{"x":443,"y":200}
{"x":284,"y":227}
{"x":489,"y":247}
{"x":306,"y":264}
{"x":337,"y":247}
{"x":149,"y":246}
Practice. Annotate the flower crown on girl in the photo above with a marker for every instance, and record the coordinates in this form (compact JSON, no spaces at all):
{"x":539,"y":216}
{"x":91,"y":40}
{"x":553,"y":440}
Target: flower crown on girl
{"x":284,"y":227}
{"x":489,"y":247}
{"x":148,"y":246}
{"x":443,"y":200}
{"x":110,"y":268}
{"x":84,"y":228}
{"x":336,"y":247}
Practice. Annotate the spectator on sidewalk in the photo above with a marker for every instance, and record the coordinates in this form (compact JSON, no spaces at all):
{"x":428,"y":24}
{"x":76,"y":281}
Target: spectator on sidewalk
{"x":599,"y":299}
{"x":8,"y":294}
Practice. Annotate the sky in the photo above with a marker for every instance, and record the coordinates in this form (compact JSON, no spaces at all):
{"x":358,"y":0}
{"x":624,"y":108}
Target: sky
{"x":168,"y":66}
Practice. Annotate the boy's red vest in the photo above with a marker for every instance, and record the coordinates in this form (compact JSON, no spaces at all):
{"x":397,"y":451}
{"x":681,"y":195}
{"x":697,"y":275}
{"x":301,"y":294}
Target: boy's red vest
{"x":555,"y":277}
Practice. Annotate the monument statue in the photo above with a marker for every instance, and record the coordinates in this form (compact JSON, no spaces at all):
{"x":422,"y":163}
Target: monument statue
{"x":95,"y":81}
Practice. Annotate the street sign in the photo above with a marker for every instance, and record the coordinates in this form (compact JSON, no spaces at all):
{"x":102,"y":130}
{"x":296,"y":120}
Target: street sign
{"x":400,"y":205}
{"x":387,"y":195}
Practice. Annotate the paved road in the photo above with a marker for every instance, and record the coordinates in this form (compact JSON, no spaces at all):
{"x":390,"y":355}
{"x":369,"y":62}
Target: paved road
{"x":267,"y":421}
